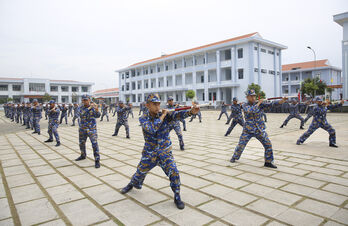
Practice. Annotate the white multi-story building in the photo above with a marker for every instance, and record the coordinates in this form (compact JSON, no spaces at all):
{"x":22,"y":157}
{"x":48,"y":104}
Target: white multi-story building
{"x":294,"y":74}
{"x":108,"y":96}
{"x":27,"y":89}
{"x":216,"y":72}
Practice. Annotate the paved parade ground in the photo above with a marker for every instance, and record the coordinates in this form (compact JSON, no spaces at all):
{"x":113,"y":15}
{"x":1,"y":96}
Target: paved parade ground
{"x":42,"y":184}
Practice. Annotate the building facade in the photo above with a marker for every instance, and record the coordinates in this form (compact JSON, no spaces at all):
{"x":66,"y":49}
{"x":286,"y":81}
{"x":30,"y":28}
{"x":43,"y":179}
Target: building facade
{"x":216,"y":72}
{"x":27,"y":89}
{"x":294,"y":74}
{"x":108,"y":96}
{"x":342,"y":19}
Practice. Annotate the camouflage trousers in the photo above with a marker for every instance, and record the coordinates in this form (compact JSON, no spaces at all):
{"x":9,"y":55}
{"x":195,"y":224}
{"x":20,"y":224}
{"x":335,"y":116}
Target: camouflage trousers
{"x":53,"y":130}
{"x":316,"y":125}
{"x":176,"y":127}
{"x":106,"y":115}
{"x":221,"y":113}
{"x":36,"y":124}
{"x":118,"y":126}
{"x":262,"y":137}
{"x":235,"y":121}
{"x":299,"y":117}
{"x":162,"y":158}
{"x":92,"y":135}
{"x":65,"y":116}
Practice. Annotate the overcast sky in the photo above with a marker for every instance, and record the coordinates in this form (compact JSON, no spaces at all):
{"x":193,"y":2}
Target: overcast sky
{"x":88,"y":40}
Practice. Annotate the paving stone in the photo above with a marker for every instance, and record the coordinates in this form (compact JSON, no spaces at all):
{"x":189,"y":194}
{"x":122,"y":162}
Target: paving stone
{"x":257,"y":189}
{"x":83,"y":212}
{"x":7,"y":222}
{"x":19,"y":180}
{"x":343,"y":190}
{"x":296,"y":217}
{"x":190,"y":217}
{"x":64,"y":193}
{"x":283,"y":197}
{"x":26,"y":193}
{"x":317,"y":208}
{"x":298,"y":189}
{"x":130,"y":213}
{"x":267,"y":208}
{"x":188,"y":195}
{"x":51,"y":180}
{"x":328,"y":197}
{"x":36,"y":211}
{"x":270,"y":182}
{"x":244,"y":217}
{"x":5,"y":209}
{"x":58,"y":222}
{"x":341,"y":216}
{"x":84,"y":180}
{"x":104,"y":194}
{"x":218,"y":208}
{"x":42,"y":170}
{"x":15,"y":170}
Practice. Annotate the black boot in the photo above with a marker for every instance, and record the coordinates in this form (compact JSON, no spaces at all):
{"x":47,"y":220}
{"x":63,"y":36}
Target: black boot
{"x":34,"y":132}
{"x":128,"y":137}
{"x":82,"y":157}
{"x":177,"y":200}
{"x":301,"y":127}
{"x":58,"y":144}
{"x":232,"y":160}
{"x":115,"y":134}
{"x":97,"y":164}
{"x":49,"y":140}
{"x":333,"y":145}
{"x":127,"y":188}
{"x":270,"y":165}
{"x":282,"y":126}
{"x":226,"y":134}
{"x":182,"y":147}
{"x":39,"y":133}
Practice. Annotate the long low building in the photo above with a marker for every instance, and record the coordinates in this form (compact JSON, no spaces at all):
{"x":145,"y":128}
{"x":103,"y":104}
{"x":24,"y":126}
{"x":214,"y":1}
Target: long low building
{"x":27,"y":89}
{"x":108,"y":96}
{"x":216,"y":72}
{"x":294,"y":74}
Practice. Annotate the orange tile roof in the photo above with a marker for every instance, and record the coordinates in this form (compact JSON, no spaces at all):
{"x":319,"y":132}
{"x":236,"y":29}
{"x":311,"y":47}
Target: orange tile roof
{"x":199,"y":47}
{"x":305,"y":65}
{"x":106,"y":90}
{"x":10,"y":78}
{"x":63,"y":81}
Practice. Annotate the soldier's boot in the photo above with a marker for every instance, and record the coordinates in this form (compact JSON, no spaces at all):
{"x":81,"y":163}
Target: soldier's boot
{"x":127,"y":188}
{"x":282,"y":126}
{"x":57,"y":144}
{"x":182,"y":146}
{"x":333,"y":145}
{"x":270,"y":165}
{"x":49,"y":140}
{"x":233,"y":160}
{"x":298,"y":142}
{"x":81,"y":157}
{"x":39,"y":133}
{"x":97,"y":164}
{"x":301,"y":127}
{"x":34,"y":132}
{"x":73,"y":124}
{"x":177,"y":200}
{"x":127,"y":137}
{"x":115,"y":134}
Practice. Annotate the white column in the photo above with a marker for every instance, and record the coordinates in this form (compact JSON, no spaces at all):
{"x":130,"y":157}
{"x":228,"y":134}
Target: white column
{"x":183,"y":76}
{"x":206,"y":91}
{"x":218,"y":71}
{"x":233,"y":65}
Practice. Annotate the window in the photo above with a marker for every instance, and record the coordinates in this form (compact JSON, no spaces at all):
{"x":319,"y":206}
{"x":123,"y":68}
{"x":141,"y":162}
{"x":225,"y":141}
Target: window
{"x":278,"y":73}
{"x":138,"y":73}
{"x":127,"y":86}
{"x":133,"y":85}
{"x":3,"y":87}
{"x":204,"y":60}
{"x":256,"y":70}
{"x":84,"y":89}
{"x":54,"y":88}
{"x":270,"y":52}
{"x":122,"y":76}
{"x":277,"y":54}
{"x":151,"y":71}
{"x":263,"y":50}
{"x":202,"y":79}
{"x":65,"y":89}
{"x":175,"y":66}
{"x":146,"y":72}
{"x":255,"y":48}
{"x":146,"y":85}
{"x":158,"y":69}
{"x":159,"y":84}
{"x":240,"y":73}
{"x":167,"y":67}
{"x":271,"y":72}
{"x":263,"y":71}
{"x":151,"y":84}
{"x":240,"y":53}
{"x":37,"y":87}
{"x":127,"y":74}
{"x":16,"y":87}
{"x":287,"y":79}
{"x":286,"y":91}
{"x":74,"y":89}
{"x":122,"y":87}
{"x":139,"y":85}
{"x":184,"y":63}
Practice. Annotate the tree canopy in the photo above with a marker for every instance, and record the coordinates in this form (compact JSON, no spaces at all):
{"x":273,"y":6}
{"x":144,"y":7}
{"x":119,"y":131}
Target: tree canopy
{"x":190,"y":94}
{"x":313,"y":87}
{"x":259,"y":93}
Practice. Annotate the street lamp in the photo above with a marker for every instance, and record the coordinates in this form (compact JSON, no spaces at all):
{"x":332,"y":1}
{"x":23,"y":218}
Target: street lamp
{"x":315,"y":62}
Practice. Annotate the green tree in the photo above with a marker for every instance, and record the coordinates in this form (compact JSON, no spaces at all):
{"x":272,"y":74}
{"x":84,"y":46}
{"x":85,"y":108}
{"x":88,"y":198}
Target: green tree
{"x":190,"y":94}
{"x":313,"y":87}
{"x":9,"y":99}
{"x":46,"y":97}
{"x":259,"y":93}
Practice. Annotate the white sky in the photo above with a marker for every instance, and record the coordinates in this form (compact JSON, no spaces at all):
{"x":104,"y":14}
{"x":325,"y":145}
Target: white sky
{"x":88,"y":40}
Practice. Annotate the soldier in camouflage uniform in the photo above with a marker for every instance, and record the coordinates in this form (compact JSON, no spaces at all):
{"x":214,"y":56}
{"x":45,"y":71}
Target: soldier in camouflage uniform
{"x":53,"y":116}
{"x":88,"y":129}
{"x":236,"y":114}
{"x":198,"y":114}
{"x":294,"y":113}
{"x":122,"y":118}
{"x":105,"y":112}
{"x":63,"y":114}
{"x":223,"y":110}
{"x":255,"y":127}
{"x":37,"y":110}
{"x":320,"y":121}
{"x":175,"y":124}
{"x":130,"y":110}
{"x":70,"y":108}
{"x":157,"y":150}
{"x":76,"y":110}
{"x":310,"y":111}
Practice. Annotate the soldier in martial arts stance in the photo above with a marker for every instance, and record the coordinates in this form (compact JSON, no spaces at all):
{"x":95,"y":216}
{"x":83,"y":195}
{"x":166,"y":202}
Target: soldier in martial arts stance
{"x":158,"y":147}
{"x":175,"y":124}
{"x":320,"y":121}
{"x":294,"y":113}
{"x":122,"y":118}
{"x":236,"y":114}
{"x":223,"y":110}
{"x":255,"y":127}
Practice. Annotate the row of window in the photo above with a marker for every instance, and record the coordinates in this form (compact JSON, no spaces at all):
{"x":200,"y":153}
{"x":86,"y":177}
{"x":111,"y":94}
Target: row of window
{"x":264,"y":71}
{"x":40,"y":87}
{"x":265,"y":51}
{"x":14,"y":87}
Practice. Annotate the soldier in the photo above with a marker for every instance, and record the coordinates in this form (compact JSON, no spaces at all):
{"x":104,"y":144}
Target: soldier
{"x":88,"y":129}
{"x":64,"y":114}
{"x":294,"y":113}
{"x":26,"y":115}
{"x":122,"y":118}
{"x":141,"y":108}
{"x":223,"y":110}
{"x":130,"y":111}
{"x":158,"y":147}
{"x":319,"y":120}
{"x":46,"y":109}
{"x":53,"y":116}
{"x":31,"y":117}
{"x":76,"y":109}
{"x":70,"y":108}
{"x":105,"y":112}
{"x":37,"y":110}
{"x":198,"y":114}
{"x":175,"y":124}
{"x":236,"y":114}
{"x":310,"y":111}
{"x":21,"y":109}
{"x":254,"y":126}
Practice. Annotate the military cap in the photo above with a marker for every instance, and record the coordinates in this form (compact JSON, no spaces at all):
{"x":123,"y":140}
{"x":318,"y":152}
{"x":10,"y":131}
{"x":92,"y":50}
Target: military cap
{"x":153,"y":97}
{"x":235,"y":99}
{"x":35,"y":100}
{"x":250,"y":92}
{"x":52,"y":102}
{"x":170,"y":98}
{"x":85,"y":97}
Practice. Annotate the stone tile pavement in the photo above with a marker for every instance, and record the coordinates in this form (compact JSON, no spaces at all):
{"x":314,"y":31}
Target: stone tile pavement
{"x":41,"y":184}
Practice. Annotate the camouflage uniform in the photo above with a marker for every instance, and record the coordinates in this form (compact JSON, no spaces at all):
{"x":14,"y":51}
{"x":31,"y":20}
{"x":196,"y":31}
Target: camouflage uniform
{"x":122,"y":119}
{"x":64,"y":114}
{"x":294,"y":113}
{"x":70,"y":108}
{"x":53,"y":116}
{"x":223,"y":111}
{"x":175,"y":124}
{"x":254,"y":127}
{"x":237,"y":116}
{"x":320,"y":121}
{"x":37,"y":110}
{"x":76,"y":114}
{"x":105,"y":112}
{"x":130,"y":111}
{"x":310,"y":113}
